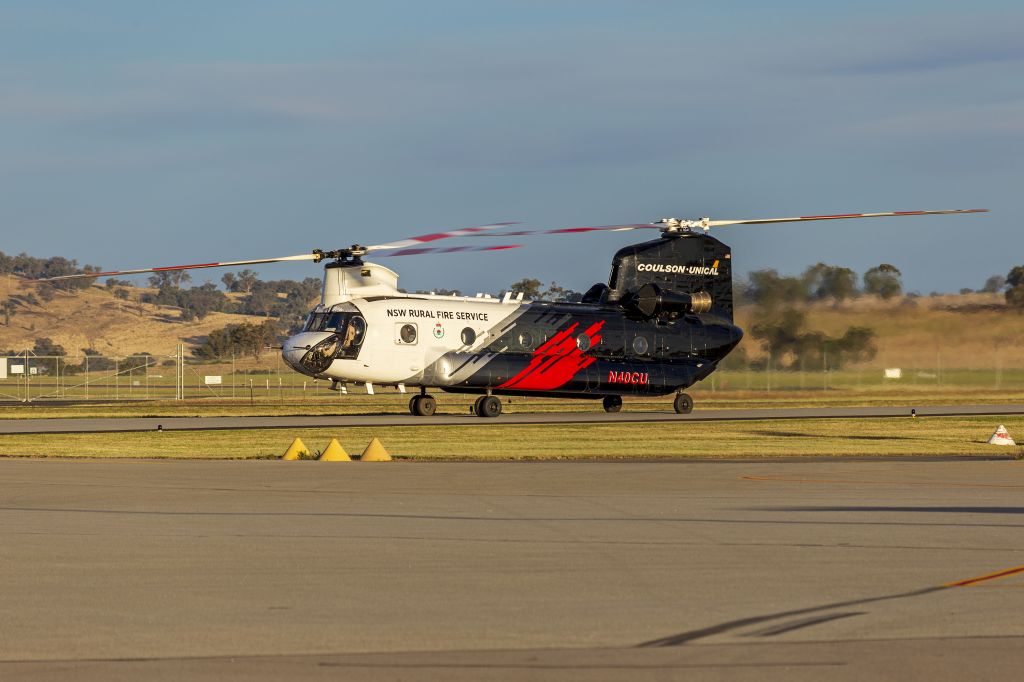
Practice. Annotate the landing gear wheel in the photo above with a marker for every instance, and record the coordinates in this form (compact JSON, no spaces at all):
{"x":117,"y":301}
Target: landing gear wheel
{"x":424,"y":405}
{"x":488,"y":406}
{"x":612,"y":403}
{"x":683,"y":404}
{"x":476,"y":406}
{"x":412,"y":404}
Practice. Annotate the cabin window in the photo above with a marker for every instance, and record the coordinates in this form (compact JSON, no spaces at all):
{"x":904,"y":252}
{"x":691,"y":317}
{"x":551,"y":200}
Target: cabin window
{"x":583,"y":342}
{"x":407,"y":334}
{"x":468,"y":336}
{"x":640,"y":345}
{"x":526,"y":340}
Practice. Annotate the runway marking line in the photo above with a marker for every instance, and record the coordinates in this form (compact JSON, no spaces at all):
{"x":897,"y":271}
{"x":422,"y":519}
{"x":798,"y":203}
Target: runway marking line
{"x":782,"y":479}
{"x":1006,"y":573}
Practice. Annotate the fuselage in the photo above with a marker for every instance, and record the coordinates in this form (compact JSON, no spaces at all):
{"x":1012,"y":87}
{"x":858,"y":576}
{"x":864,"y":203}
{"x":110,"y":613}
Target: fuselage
{"x":372,"y":333}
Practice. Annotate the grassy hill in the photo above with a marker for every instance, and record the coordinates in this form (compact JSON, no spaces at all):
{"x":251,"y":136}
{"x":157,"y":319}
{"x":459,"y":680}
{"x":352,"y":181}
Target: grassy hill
{"x":95,"y":318}
{"x":968,"y":331}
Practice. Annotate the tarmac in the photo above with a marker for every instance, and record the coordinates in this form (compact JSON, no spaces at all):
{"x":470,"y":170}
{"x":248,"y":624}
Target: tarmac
{"x":268,"y":570}
{"x":127,"y":424}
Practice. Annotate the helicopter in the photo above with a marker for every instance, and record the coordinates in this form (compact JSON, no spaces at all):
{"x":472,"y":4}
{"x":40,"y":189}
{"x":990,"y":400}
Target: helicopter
{"x":661,"y":323}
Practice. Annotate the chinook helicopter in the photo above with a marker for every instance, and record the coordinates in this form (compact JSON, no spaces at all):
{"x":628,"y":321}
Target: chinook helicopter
{"x":662,"y":322}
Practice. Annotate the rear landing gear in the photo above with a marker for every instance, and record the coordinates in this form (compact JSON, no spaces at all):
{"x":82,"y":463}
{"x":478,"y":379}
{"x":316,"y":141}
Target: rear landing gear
{"x":612,"y":403}
{"x":487,"y":406}
{"x":683,"y":404}
{"x":423,"y":405}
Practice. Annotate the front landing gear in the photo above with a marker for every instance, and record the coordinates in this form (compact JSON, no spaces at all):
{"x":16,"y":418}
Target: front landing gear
{"x":612,"y":403}
{"x":487,"y":406}
{"x":683,"y":404}
{"x":423,"y":405}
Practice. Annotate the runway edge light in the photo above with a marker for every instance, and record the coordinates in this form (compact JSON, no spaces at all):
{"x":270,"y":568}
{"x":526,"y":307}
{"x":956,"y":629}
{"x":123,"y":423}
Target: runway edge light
{"x":334,"y":453}
{"x":296,"y":450}
{"x":375,"y":452}
{"x":1001,"y":437}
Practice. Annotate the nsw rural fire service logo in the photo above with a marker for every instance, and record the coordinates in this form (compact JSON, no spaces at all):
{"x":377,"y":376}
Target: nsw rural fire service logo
{"x":438,"y":331}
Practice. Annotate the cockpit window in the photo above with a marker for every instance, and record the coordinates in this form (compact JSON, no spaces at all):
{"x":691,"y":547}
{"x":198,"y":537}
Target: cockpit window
{"x":329,"y":322}
{"x":347,"y":333}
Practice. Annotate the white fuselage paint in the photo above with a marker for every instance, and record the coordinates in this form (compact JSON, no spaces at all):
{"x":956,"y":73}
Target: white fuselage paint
{"x":440,"y":323}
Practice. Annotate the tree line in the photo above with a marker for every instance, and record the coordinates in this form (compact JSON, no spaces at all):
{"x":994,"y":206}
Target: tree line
{"x":286,"y":301}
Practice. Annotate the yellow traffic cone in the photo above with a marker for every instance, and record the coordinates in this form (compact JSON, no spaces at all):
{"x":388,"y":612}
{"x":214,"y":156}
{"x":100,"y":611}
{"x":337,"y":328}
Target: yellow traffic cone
{"x":296,"y":450}
{"x":334,"y":453}
{"x":375,"y":452}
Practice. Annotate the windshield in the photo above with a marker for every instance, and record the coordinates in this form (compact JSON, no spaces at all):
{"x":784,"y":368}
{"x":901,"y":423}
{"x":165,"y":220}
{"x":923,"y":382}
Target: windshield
{"x":326,"y":322}
{"x":347,"y":331}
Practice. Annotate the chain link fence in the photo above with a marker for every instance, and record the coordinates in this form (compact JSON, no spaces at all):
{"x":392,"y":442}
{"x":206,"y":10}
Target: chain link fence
{"x":32,"y":378}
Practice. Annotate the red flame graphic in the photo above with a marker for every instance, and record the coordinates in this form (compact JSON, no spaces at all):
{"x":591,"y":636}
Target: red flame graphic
{"x":556,"y":362}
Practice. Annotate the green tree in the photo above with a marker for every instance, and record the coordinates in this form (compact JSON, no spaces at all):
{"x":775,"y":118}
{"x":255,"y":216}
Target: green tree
{"x":883,"y":281}
{"x":49,"y":354}
{"x":1015,"y":287}
{"x":558,"y":293}
{"x":780,"y":334}
{"x":10,"y":308}
{"x":994,"y":284}
{"x":830,"y":281}
{"x":529,"y":288}
{"x":241,"y":282}
{"x":791,"y":347}
{"x":169,"y":278}
{"x":769,"y":290}
{"x":198,"y":302}
{"x":237,"y":339}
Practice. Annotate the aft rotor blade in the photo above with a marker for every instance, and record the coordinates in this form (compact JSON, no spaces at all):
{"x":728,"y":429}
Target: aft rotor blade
{"x":194,"y":266}
{"x":842,"y":216}
{"x":434,"y":236}
{"x":421,"y":250}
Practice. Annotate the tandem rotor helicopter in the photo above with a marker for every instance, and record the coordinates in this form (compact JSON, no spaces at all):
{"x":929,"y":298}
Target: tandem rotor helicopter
{"x":662,"y":322}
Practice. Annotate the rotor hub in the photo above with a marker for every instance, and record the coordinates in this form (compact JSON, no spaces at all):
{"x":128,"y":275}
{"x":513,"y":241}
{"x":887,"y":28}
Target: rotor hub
{"x":350,"y":255}
{"x":678,"y":225}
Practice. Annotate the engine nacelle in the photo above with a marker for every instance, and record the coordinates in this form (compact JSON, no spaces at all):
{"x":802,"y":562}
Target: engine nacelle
{"x":651,"y":301}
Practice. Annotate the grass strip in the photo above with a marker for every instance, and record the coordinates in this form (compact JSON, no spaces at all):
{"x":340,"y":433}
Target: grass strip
{"x":932,"y":436}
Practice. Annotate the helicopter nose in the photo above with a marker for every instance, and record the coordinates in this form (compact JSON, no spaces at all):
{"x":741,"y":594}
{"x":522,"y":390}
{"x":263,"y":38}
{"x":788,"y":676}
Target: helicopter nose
{"x":297,"y":347}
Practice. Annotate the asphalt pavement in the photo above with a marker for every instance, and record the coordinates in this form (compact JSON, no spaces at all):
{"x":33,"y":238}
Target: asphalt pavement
{"x":270,"y":570}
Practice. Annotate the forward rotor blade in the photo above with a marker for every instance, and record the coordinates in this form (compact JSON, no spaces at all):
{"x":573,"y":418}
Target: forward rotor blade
{"x":421,"y":250}
{"x":763,"y":221}
{"x":195,"y":266}
{"x":426,"y":238}
{"x":574,"y":230}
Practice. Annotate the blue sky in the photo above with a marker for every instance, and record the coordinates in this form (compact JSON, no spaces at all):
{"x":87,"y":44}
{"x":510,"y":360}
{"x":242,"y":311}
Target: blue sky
{"x":138,"y":134}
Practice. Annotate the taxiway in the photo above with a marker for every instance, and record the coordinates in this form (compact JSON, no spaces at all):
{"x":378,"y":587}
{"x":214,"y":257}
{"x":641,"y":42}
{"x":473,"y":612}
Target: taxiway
{"x":268,"y":570}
